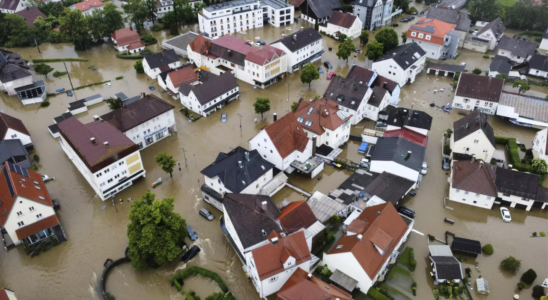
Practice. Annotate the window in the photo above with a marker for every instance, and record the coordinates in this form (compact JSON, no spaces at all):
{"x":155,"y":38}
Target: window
{"x":107,"y":170}
{"x":110,"y":180}
{"x":475,"y":202}
{"x":19,"y":213}
{"x":421,"y":35}
{"x":121,"y":163}
{"x":273,"y":279}
{"x":20,"y":223}
{"x":159,"y":135}
{"x":413,"y":33}
{"x":13,"y":136}
{"x":476,"y":141}
{"x":491,"y":104}
{"x":428,"y":37}
{"x":466,"y":100}
{"x":219,"y":181}
{"x":257,"y":186}
{"x":458,"y":190}
{"x":31,"y":208}
{"x":477,"y":102}
{"x":39,"y":216}
{"x":466,"y":192}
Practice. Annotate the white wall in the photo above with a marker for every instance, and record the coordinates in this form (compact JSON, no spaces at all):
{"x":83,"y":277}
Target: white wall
{"x":379,"y":166}
{"x":16,"y":135}
{"x":348,"y":264}
{"x":544,"y":45}
{"x":517,"y":200}
{"x":391,"y":70}
{"x":210,"y":22}
{"x":353,"y":32}
{"x":474,"y":144}
{"x":488,"y":35}
{"x":486,"y":107}
{"x":10,"y":86}
{"x":294,"y":59}
{"x":192,"y":103}
{"x":274,"y":15}
{"x":471,"y":198}
{"x":28,"y":217}
{"x":433,"y":51}
{"x":153,"y":73}
{"x":255,"y":187}
{"x":262,"y":143}
{"x":539,"y":73}
{"x":156,"y":128}
{"x":512,"y":57}
{"x":539,"y":144}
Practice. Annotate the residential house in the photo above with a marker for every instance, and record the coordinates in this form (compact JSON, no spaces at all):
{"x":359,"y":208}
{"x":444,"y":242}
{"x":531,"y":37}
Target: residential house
{"x":538,"y":66}
{"x":127,"y":40}
{"x":475,"y":43}
{"x":369,"y":244}
{"x":301,"y":47}
{"x":492,"y":32}
{"x":172,"y":80}
{"x":303,"y":286}
{"x":27,"y":209}
{"x":352,"y":97}
{"x":163,"y":7}
{"x":473,"y":136}
{"x":160,"y":62}
{"x":517,"y":49}
{"x":401,"y":64}
{"x":324,"y":122}
{"x":540,"y":145}
{"x":437,"y":38}
{"x":257,"y":65}
{"x":342,"y":23}
{"x":105,"y":157}
{"x":524,"y":110}
{"x":209,"y":93}
{"x":446,"y":70}
{"x":180,"y":43}
{"x":230,"y":17}
{"x":87,"y":7}
{"x":478,"y":92}
{"x":453,"y":4}
{"x":14,"y":152}
{"x":30,"y":14}
{"x":544,"y":43}
{"x":238,"y":171}
{"x":6,"y":294}
{"x":453,"y":16}
{"x":325,"y":207}
{"x":278,"y":13}
{"x":13,"y":129}
{"x":412,"y":119}
{"x":144,"y":122}
{"x":35,"y":92}
{"x":318,"y":11}
{"x":499,"y":65}
{"x":372,"y":78}
{"x":13,"y":6}
{"x":372,"y":13}
{"x":445,"y":267}
{"x":14,"y":72}
{"x":466,"y":247}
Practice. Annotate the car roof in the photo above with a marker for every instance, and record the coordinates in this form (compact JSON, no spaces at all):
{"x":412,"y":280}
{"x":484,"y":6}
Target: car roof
{"x":204,"y":210}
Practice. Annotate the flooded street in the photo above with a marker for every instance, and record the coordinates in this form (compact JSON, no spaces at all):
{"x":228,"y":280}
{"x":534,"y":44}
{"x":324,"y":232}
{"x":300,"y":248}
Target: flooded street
{"x":71,"y":270}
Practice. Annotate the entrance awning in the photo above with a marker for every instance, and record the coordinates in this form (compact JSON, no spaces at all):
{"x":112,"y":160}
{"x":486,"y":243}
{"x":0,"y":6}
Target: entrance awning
{"x":346,"y":282}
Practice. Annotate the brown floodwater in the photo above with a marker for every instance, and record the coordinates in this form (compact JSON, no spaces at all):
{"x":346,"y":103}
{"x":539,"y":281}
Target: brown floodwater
{"x":71,"y":270}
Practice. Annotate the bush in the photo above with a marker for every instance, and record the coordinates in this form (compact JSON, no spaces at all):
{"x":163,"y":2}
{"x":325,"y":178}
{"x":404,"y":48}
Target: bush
{"x":521,"y":286}
{"x":486,"y":56}
{"x":447,"y":149}
{"x":194,"y":270}
{"x":542,"y":234}
{"x":476,"y":71}
{"x":325,"y":271}
{"x":110,"y":296}
{"x":127,"y":56}
{"x":139,"y":67}
{"x":431,"y":237}
{"x":119,"y":77}
{"x":455,"y":83}
{"x":488,"y":249}
{"x":155,"y":27}
{"x":330,"y":236}
{"x":534,"y":234}
{"x":189,"y":297}
{"x":149,"y":39}
{"x":538,"y":291}
{"x":45,"y":104}
{"x":335,"y":220}
{"x":510,"y":264}
{"x":59,"y":74}
{"x":46,"y":60}
{"x":529,"y":276}
{"x":376,"y":294}
{"x":436,"y":294}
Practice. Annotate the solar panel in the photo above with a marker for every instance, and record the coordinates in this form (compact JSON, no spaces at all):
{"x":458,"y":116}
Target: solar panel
{"x":19,"y":170}
{"x":8,"y":181}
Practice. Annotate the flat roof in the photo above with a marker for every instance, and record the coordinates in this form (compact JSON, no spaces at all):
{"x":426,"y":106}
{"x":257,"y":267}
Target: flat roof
{"x":526,"y":106}
{"x":230,"y":4}
{"x":182,"y":41}
{"x":277,"y":4}
{"x":343,"y":280}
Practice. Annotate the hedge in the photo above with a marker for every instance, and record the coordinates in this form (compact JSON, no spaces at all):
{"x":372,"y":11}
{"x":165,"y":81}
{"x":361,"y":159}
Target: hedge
{"x":85,"y":86}
{"x":513,"y":153}
{"x":126,"y":56}
{"x":191,"y":271}
{"x":45,"y":60}
{"x":529,"y":276}
{"x":376,"y":294}
{"x":59,"y":74}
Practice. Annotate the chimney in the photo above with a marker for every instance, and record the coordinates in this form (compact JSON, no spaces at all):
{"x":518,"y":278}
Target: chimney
{"x":302,"y":28}
{"x":408,"y":155}
{"x":275,"y":116}
{"x":240,"y":164}
{"x":105,"y":144}
{"x":295,"y":37}
{"x":263,"y":205}
{"x":247,"y":156}
{"x":309,"y":276}
{"x":96,"y":118}
{"x":283,"y":36}
{"x":93,"y":140}
{"x":378,"y":212}
{"x":360,"y":237}
{"x":473,"y":158}
{"x":274,"y":240}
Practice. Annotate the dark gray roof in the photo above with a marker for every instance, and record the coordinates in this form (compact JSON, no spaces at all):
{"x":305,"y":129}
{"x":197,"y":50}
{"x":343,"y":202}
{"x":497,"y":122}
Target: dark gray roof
{"x":466,"y":245}
{"x":233,"y":177}
{"x":346,"y":92}
{"x":539,"y":62}
{"x":377,"y":96}
{"x":496,"y":26}
{"x":446,"y":67}
{"x":461,"y":19}
{"x":161,"y":59}
{"x":365,"y":3}
{"x":480,"y":87}
{"x":500,"y":64}
{"x":472,"y":123}
{"x":356,"y":183}
{"x":212,"y":86}
{"x":404,"y":55}
{"x":323,"y":8}
{"x":516,"y":183}
{"x":447,"y":267}
{"x":62,"y":117}
{"x":389,"y":187}
{"x":251,"y":223}
{"x":9,"y":4}
{"x":182,"y":40}
{"x":299,"y":39}
{"x":397,"y":150}
{"x":545,"y":36}
{"x":15,"y":152}
{"x":402,"y":116}
{"x":12,"y":66}
{"x":519,"y":46}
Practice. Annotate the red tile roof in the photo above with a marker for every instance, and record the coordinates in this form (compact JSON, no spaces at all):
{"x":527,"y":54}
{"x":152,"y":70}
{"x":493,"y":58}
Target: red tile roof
{"x":253,"y":54}
{"x":84,"y":6}
{"x":200,"y":44}
{"x":300,"y":287}
{"x":382,"y":224}
{"x":270,"y":258}
{"x":36,"y":227}
{"x":409,"y":135}
{"x":295,"y":216}
{"x":7,"y":121}
{"x":185,"y":74}
{"x":425,"y":26}
{"x":135,"y":45}
{"x":263,"y":55}
{"x":323,"y":115}
{"x":4,"y":295}
{"x":477,"y":177}
{"x":342,"y":19}
{"x":22,"y":186}
{"x":287,"y":135}
{"x":126,"y":36}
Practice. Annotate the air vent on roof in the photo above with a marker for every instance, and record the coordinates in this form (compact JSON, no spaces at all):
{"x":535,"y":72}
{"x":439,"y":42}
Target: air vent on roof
{"x":264,"y":205}
{"x":360,"y":237}
{"x":263,"y":232}
{"x":92,"y":140}
{"x":106,"y":144}
{"x":274,"y":240}
{"x":361,"y":82}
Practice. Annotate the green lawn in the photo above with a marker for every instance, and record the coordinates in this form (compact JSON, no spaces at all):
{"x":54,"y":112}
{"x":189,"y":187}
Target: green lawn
{"x":507,"y":2}
{"x":398,"y":270}
{"x":404,"y":258}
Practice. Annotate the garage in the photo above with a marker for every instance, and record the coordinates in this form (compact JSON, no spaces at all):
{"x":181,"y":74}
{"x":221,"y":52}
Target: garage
{"x":441,"y":73}
{"x":445,"y":70}
{"x":538,"y":204}
{"x":450,"y":74}
{"x":504,"y":203}
{"x":521,"y":206}
{"x":432,"y":71}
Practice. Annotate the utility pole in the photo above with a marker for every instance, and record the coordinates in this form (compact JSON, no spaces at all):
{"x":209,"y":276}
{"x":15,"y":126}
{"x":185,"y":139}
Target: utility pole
{"x":68,"y":74}
{"x":34,"y":37}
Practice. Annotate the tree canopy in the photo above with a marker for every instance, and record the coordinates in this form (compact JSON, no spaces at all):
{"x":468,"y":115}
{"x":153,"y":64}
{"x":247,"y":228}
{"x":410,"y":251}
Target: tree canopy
{"x":156,"y":233}
{"x":139,"y":66}
{"x":522,"y":86}
{"x":74,"y":28}
{"x":404,"y":37}
{"x":136,"y":12}
{"x":388,"y":38}
{"x":294,"y":106}
{"x":374,"y":50}
{"x":539,"y":166}
{"x":261,"y":105}
{"x":43,"y":69}
{"x":345,"y":49}
{"x":114,"y":103}
{"x":364,"y":37}
{"x":309,"y":73}
{"x":510,"y":264}
{"x":166,"y":162}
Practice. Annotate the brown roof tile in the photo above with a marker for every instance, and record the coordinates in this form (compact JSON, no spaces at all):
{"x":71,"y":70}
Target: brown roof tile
{"x":200,"y":44}
{"x":7,"y":121}
{"x":477,"y":177}
{"x":126,"y":36}
{"x":480,"y":87}
{"x":184,"y":74}
{"x":36,"y":227}
{"x":4,"y":295}
{"x":323,"y":115}
{"x":342,"y":19}
{"x":300,"y":287}
{"x":30,"y":14}
{"x":295,"y":216}
{"x":84,"y":6}
{"x":287,"y":135}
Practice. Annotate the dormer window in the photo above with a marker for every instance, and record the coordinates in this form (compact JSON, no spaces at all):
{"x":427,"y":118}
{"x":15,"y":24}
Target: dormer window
{"x":413,"y":33}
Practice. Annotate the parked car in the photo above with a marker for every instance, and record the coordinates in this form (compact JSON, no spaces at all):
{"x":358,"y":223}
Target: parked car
{"x":206,"y":214}
{"x":261,"y":42}
{"x":411,"y":17}
{"x":223,"y":118}
{"x":365,"y":164}
{"x":191,"y":233}
{"x":357,"y":50}
{"x":331,"y":75}
{"x":395,"y":25}
{"x":446,"y":164}
{"x":336,"y":165}
{"x":320,"y":70}
{"x":46,"y":178}
{"x":327,"y":64}
{"x":424,"y":168}
{"x":69,"y":93}
{"x":257,"y":44}
{"x":505,"y":213}
{"x":405,"y":20}
{"x":190,"y":254}
{"x":406,"y":211}
{"x":380,"y":124}
{"x":59,"y":90}
{"x":413,"y":193}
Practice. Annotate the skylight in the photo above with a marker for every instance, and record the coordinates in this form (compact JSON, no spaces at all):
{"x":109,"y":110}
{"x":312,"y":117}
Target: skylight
{"x":310,"y":110}
{"x":300,"y":119}
{"x":308,"y":123}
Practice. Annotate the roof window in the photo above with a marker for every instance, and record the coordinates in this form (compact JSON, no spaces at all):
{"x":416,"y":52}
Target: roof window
{"x":339,"y":246}
{"x":308,"y":123}
{"x":41,"y":197}
{"x":300,"y":119}
{"x":37,"y":187}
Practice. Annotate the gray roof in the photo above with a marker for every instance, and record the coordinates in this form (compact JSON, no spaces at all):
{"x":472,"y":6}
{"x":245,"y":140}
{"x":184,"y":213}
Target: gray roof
{"x":323,"y":8}
{"x":211,"y":87}
{"x":233,"y":177}
{"x":365,"y":3}
{"x":324,"y":207}
{"x":496,"y":26}
{"x":404,"y":55}
{"x":346,"y":92}
{"x":377,"y":96}
{"x":402,"y":116}
{"x":530,"y":107}
{"x":343,"y":280}
{"x":453,"y":4}
{"x":182,"y":40}
{"x":440,"y":250}
{"x":500,"y":64}
{"x":516,"y":183}
{"x":461,"y":19}
{"x":161,"y":59}
{"x":276,"y":4}
{"x":14,"y":149}
{"x":9,"y":4}
{"x":519,"y":46}
{"x":229,"y":4}
{"x":472,"y":123}
{"x":300,"y":39}
{"x":348,"y":191}
{"x":397,"y":150}
{"x":539,"y":62}
{"x":447,"y":267}
{"x":446,"y":67}
{"x":389,"y":187}
{"x":12,"y":67}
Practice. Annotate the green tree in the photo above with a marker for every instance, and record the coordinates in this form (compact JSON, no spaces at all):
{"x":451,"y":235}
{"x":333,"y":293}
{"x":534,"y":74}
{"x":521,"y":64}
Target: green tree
{"x":476,"y":71}
{"x":151,"y":9}
{"x":43,"y":69}
{"x":218,"y":296}
{"x":309,"y":73}
{"x":388,"y":38}
{"x":114,"y":103}
{"x":403,"y":4}
{"x":413,"y":10}
{"x":112,"y":19}
{"x":374,"y":50}
{"x":485,"y":9}
{"x":342,"y":37}
{"x":529,"y":276}
{"x":539,"y":166}
{"x":522,"y":86}
{"x":345,"y":49}
{"x":96,"y":25}
{"x":261,"y":105}
{"x":364,"y":37}
{"x":136,"y":12}
{"x":14,"y":31}
{"x":73,"y":26}
{"x":404,"y":37}
{"x":502,"y":76}
{"x":166,"y":162}
{"x":156,"y":233}
{"x":488,"y":249}
{"x":139,"y":66}
{"x":510,"y":264}
{"x":173,"y":30}
{"x":294,"y":106}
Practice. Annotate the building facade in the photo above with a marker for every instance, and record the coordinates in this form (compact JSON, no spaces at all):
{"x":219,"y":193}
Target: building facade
{"x":517,"y":49}
{"x":278,"y":13}
{"x":301,"y":47}
{"x":538,"y":66}
{"x":318,"y":11}
{"x":342,"y":23}
{"x":127,"y":40}
{"x":473,"y":136}
{"x":373,"y":13}
{"x":155,"y":64}
{"x":478,"y":92}
{"x":540,"y":145}
{"x":401,"y":64}
{"x":230,"y":17}
{"x":437,"y":38}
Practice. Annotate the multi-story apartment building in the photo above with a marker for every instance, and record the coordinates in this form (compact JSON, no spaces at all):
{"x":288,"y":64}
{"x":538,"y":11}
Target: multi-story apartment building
{"x":437,"y":38}
{"x":230,"y":17}
{"x":373,"y":13}
{"x":302,"y":47}
{"x":277,"y":12}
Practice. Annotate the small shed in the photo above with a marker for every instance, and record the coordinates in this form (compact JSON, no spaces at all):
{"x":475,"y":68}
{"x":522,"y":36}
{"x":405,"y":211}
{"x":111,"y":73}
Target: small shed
{"x":467,"y":247}
{"x":344,"y":281}
{"x":482,"y":286}
{"x":446,"y":70}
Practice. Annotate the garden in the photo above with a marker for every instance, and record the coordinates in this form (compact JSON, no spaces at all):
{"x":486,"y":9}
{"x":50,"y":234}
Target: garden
{"x":522,"y":159}
{"x":400,"y":282}
{"x":178,"y":282}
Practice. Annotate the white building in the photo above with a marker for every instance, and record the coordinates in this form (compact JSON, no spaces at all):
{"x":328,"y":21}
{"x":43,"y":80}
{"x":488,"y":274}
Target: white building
{"x":342,"y":23}
{"x":230,"y":17}
{"x":371,"y":242}
{"x":301,"y":47}
{"x":538,"y":66}
{"x":540,"y":145}
{"x":544,"y":43}
{"x":145,"y":121}
{"x":127,"y":40}
{"x":473,"y":136}
{"x":160,"y":62}
{"x":105,"y":157}
{"x":278,"y":13}
{"x":14,"y":72}
{"x":373,"y":13}
{"x":437,"y":38}
{"x":13,"y":129}
{"x":478,"y":92}
{"x":517,"y":49}
{"x":210,"y":93}
{"x":261,"y":66}
{"x":172,"y":80}
{"x":492,"y":32}
{"x":7,"y":294}
{"x":401,"y":64}
{"x":405,"y":118}
{"x":13,"y":6}
{"x":524,"y":110}
{"x":87,"y":7}
{"x":163,"y":7}
{"x":318,"y":11}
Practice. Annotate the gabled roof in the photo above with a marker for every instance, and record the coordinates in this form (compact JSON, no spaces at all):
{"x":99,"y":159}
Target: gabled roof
{"x":340,"y":19}
{"x":447,"y":267}
{"x":36,"y":227}
{"x":466,"y":245}
{"x":296,"y":216}
{"x":397,"y":150}
{"x":84,"y":6}
{"x":384,"y":227}
{"x":234,"y":178}
{"x":126,"y":36}
{"x":9,"y":4}
{"x":319,"y":114}
{"x":287,"y":135}
{"x":477,"y":177}
{"x":346,"y":92}
{"x":480,"y":87}
{"x":12,"y":66}
{"x":451,"y":16}
{"x":137,"y":113}
{"x":184,"y":74}
{"x":389,"y":187}
{"x":471,"y":123}
{"x":299,"y":39}
{"x":496,"y":26}
{"x":377,"y":96}
{"x":518,"y":184}
{"x":30,"y":14}
{"x":323,"y":8}
{"x":263,"y":55}
{"x":237,"y":51}
{"x":357,"y":74}
{"x":7,"y":122}
{"x":500,"y":64}
{"x":211,"y":86}
{"x":200,"y":44}
{"x":161,"y":59}
{"x":401,"y":117}
{"x":301,"y":287}
{"x":519,"y":46}
{"x":436,"y":29}
{"x":404,"y":55}
{"x":409,"y":135}
{"x":539,"y":62}
{"x":14,"y":148}
{"x":270,"y":258}
{"x":250,"y":221}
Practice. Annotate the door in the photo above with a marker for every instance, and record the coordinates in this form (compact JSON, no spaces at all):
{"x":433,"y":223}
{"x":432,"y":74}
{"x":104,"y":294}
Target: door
{"x":432,"y":71}
{"x":450,"y":74}
{"x":521,"y":206}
